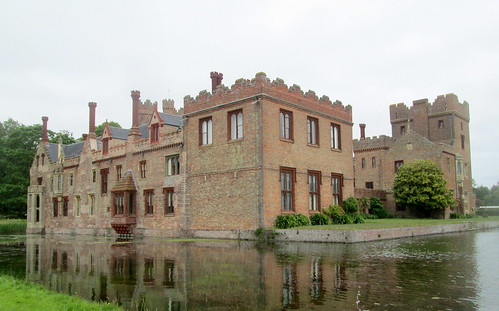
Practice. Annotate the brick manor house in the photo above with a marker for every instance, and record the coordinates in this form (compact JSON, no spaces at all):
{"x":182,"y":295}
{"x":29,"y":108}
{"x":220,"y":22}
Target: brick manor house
{"x":232,"y":160}
{"x":226,"y":164}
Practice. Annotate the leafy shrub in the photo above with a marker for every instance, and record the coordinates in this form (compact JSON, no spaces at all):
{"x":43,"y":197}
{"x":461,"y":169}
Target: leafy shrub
{"x":462,"y":216}
{"x":378,"y":210}
{"x":301,"y":220}
{"x":357,"y":219}
{"x":363,"y":205}
{"x":375,"y":203}
{"x":350,"y":205}
{"x":292,"y":220}
{"x":343,"y":219}
{"x":369,"y":216}
{"x":319,"y":219}
{"x":333,"y":212}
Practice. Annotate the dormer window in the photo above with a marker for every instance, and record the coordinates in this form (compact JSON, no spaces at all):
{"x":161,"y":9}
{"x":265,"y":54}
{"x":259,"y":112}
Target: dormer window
{"x":154,"y":133}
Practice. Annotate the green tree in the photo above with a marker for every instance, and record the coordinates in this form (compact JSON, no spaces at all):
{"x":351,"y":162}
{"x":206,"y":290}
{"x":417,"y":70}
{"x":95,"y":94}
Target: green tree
{"x":486,"y":196}
{"x":18,"y":145}
{"x":67,"y":137}
{"x":100,"y":128}
{"x":421,"y":187}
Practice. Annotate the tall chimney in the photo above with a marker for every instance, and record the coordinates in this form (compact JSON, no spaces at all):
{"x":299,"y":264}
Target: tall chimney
{"x":216,"y":80}
{"x":91,"y":119}
{"x":135,"y":113}
{"x":362,"y":131}
{"x":45,"y":137}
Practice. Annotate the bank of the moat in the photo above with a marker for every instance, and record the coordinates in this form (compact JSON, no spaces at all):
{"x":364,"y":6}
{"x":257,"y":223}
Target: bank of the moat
{"x":365,"y":235}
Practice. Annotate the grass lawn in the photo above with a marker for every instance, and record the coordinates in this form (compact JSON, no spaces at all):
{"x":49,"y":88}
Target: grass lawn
{"x":19,"y":295}
{"x":397,"y":223}
{"x":12,"y":226}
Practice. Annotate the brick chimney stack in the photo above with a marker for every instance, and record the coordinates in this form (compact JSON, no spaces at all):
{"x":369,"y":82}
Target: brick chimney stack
{"x":362,"y":131}
{"x":135,"y":113}
{"x":45,"y":137}
{"x":216,"y":80}
{"x":91,"y":119}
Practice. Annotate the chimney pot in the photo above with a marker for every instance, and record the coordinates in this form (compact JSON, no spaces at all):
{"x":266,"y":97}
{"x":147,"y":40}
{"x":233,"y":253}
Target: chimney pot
{"x":362,"y":131}
{"x":45,"y":137}
{"x":216,"y":80}
{"x":135,"y":112}
{"x":91,"y":119}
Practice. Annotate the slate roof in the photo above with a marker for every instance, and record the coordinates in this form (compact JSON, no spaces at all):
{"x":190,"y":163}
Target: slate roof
{"x":70,"y":151}
{"x":119,"y":133}
{"x":171,"y":119}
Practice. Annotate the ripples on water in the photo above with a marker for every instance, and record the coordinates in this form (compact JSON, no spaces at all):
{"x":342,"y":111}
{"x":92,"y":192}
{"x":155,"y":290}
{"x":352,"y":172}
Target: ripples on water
{"x":451,"y":272}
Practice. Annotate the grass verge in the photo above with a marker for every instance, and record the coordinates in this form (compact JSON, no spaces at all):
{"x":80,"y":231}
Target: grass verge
{"x":18,"y":295}
{"x":12,"y":226}
{"x":397,"y":223}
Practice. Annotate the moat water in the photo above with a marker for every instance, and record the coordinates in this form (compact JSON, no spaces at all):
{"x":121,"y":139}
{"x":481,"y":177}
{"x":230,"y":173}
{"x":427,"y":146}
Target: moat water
{"x":450,"y":272}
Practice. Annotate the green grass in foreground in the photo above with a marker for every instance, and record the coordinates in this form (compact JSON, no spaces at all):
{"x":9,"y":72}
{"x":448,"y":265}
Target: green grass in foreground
{"x":12,"y":226}
{"x":397,"y":223}
{"x":19,"y":295}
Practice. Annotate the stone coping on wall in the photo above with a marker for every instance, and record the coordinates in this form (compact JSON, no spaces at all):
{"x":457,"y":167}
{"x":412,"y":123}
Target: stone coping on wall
{"x":290,"y":235}
{"x":366,"y":235}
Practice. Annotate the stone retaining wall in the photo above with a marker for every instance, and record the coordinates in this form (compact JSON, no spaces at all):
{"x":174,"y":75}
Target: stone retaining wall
{"x":355,"y":236}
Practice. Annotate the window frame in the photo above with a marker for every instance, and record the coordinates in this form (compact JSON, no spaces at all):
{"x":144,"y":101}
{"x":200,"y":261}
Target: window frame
{"x":149,"y":202}
{"x":104,"y":173}
{"x":172,"y":167}
{"x":369,"y":185}
{"x":312,"y":131}
{"x":169,"y":201}
{"x":337,"y":194}
{"x":154,"y":133}
{"x":441,"y":124}
{"x":209,"y":131}
{"x":65,"y":206}
{"x":314,"y":195}
{"x":397,"y":164}
{"x":55,"y":207}
{"x":373,"y":162}
{"x":143,"y":168}
{"x":335,"y":139}
{"x":105,"y":145}
{"x":119,"y":172}
{"x":235,"y":121}
{"x":286,"y":133}
{"x":402,"y":129}
{"x":118,"y":207}
{"x":287,"y":195}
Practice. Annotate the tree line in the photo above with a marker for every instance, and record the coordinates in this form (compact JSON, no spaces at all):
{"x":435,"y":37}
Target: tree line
{"x":487,"y":196}
{"x":18,"y":144}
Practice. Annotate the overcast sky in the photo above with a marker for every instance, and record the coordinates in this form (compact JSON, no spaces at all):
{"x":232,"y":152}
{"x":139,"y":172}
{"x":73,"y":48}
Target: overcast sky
{"x":56,"y":56}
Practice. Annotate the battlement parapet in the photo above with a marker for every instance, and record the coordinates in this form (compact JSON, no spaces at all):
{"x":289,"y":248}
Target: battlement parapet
{"x":442,"y":103}
{"x":374,"y":143}
{"x":244,"y":88}
{"x":168,"y":106}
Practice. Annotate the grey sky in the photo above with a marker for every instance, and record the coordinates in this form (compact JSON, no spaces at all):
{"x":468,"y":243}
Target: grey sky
{"x":56,"y":56}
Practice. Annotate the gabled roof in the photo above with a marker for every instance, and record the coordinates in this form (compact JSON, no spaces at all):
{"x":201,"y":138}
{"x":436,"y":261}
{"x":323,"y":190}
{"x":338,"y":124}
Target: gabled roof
{"x":171,"y":119}
{"x":119,"y":133}
{"x":70,"y":151}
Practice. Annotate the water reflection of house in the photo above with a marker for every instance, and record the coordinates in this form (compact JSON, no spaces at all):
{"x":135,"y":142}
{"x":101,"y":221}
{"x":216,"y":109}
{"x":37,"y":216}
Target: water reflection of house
{"x":225,"y":164}
{"x":237,"y":276}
